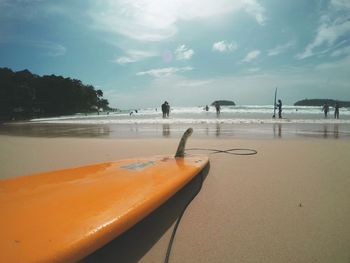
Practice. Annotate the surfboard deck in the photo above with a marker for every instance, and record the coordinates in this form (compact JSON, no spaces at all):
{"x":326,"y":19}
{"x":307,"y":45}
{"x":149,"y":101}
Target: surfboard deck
{"x":65,"y":215}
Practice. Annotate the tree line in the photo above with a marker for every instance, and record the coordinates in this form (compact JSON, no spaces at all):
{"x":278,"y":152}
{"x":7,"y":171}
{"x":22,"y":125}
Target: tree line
{"x":24,"y":95}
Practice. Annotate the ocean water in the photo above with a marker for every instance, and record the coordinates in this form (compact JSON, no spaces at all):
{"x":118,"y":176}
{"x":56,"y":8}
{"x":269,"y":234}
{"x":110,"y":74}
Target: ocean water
{"x":233,"y":122}
{"x":197,"y":115}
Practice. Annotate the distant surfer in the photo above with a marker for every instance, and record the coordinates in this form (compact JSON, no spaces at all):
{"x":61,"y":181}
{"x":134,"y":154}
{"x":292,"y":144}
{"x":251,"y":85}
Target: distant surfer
{"x":207,"y":108}
{"x":218,"y":108}
{"x":325,"y":109}
{"x":336,"y":110}
{"x":279,"y":107}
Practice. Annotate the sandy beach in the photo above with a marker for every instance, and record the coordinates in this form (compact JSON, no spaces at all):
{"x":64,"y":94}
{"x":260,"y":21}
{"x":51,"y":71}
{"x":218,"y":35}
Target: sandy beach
{"x":116,"y":83}
{"x":288,"y":203}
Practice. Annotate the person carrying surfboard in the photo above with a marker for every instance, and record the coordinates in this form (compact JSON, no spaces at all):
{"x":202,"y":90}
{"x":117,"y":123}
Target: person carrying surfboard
{"x":279,"y":107}
{"x":274,"y":105}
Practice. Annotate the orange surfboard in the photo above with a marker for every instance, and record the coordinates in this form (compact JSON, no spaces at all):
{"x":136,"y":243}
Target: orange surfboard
{"x":63,"y":216}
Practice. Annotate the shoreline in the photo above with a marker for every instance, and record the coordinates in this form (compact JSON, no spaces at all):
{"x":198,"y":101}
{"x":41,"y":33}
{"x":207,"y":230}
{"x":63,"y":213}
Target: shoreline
{"x":219,"y":130}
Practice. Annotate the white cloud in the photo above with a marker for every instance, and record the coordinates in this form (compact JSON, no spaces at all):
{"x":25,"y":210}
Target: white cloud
{"x":43,"y":47}
{"x":280,"y":49}
{"x":328,"y":80}
{"x":183,"y":53}
{"x":251,"y":56}
{"x":326,"y":35}
{"x":134,"y":56}
{"x":156,"y":20}
{"x":332,"y":28}
{"x":224,"y":46}
{"x":163,"y":72}
{"x":254,"y":70}
{"x":193,"y":83}
{"x":255,"y":9}
{"x":341,"y":4}
{"x":124,"y":60}
{"x":29,"y":10}
{"x":48,"y":48}
{"x":341,"y":52}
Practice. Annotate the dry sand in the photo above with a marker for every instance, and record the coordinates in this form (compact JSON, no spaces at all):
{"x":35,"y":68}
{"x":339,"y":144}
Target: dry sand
{"x":288,"y":203}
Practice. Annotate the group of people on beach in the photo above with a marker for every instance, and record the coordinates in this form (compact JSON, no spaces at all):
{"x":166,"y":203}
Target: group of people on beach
{"x":325,"y":109}
{"x":165,"y":109}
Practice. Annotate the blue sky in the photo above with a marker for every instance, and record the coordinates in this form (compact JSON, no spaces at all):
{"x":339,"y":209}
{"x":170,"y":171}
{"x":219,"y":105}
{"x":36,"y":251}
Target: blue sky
{"x":188,"y":52}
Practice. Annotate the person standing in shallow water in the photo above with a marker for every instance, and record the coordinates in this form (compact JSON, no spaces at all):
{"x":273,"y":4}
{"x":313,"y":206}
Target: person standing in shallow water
{"x":336,"y":110}
{"x":325,"y":109}
{"x":218,"y":108}
{"x":167,"y":111}
{"x":279,"y":107}
{"x":164,"y":108}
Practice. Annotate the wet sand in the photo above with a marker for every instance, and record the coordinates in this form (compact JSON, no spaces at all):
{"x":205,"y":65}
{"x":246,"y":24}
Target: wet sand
{"x":288,"y":203}
{"x":219,"y":130}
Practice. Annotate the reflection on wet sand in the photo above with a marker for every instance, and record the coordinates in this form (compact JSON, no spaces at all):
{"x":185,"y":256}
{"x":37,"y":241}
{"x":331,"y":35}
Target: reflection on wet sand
{"x":277,"y":130}
{"x":218,"y":130}
{"x":54,"y":130}
{"x":326,"y":131}
{"x":330,"y":131}
{"x":166,"y":129}
{"x":336,"y":131}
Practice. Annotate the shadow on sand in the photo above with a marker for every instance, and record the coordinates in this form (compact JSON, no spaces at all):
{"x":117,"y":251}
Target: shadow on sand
{"x":134,"y":244}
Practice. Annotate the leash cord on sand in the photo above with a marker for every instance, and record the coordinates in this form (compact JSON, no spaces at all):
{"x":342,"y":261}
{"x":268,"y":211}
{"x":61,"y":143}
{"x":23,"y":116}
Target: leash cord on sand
{"x":234,"y":151}
{"x":214,"y":151}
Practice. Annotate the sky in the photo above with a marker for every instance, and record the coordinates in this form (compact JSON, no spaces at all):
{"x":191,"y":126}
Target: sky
{"x":188,"y":52}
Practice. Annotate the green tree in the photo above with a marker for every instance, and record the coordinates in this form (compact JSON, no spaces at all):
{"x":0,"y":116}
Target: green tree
{"x":24,"y":95}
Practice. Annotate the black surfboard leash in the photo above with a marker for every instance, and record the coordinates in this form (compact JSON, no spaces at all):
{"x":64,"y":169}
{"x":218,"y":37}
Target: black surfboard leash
{"x":233,"y":151}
